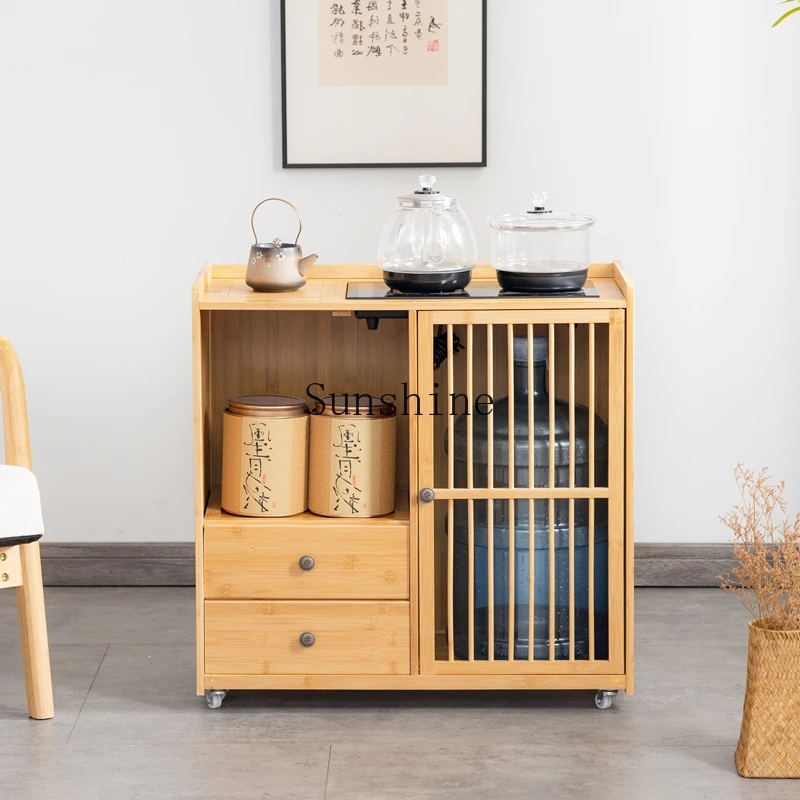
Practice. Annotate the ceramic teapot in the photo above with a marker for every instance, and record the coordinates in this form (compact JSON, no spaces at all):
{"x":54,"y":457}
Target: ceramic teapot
{"x":276,"y":266}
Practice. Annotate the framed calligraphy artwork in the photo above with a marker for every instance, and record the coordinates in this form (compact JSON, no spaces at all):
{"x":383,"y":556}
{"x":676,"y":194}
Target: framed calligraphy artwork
{"x":383,"y":83}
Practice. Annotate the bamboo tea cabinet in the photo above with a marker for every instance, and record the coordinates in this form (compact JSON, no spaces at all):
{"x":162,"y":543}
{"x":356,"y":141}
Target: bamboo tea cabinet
{"x":382,"y":599}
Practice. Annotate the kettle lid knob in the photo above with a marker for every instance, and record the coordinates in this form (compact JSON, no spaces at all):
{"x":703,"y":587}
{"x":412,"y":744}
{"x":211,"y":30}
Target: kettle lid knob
{"x":426,"y":182}
{"x":538,"y":199}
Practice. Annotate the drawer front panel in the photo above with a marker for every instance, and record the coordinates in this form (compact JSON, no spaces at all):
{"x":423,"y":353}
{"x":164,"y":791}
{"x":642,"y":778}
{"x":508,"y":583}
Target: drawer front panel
{"x":348,"y":638}
{"x":253,"y":563}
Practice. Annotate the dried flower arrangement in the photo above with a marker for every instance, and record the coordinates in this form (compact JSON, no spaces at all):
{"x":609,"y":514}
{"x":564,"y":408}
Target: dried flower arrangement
{"x":767,"y":547}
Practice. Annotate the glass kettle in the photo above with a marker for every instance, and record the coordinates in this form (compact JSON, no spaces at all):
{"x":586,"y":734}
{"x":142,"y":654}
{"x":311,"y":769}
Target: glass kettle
{"x":427,"y":244}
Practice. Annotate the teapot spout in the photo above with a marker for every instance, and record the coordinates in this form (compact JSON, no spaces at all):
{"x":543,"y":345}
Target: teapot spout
{"x":306,"y":263}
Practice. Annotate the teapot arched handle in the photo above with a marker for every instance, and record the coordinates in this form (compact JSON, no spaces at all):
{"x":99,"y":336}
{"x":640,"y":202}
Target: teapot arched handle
{"x":280,"y":200}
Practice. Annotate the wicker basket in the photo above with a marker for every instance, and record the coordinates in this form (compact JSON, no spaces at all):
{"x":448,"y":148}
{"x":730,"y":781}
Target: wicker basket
{"x":769,"y":744}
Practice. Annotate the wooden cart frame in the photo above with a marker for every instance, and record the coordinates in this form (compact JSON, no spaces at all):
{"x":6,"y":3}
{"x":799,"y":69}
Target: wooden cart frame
{"x":245,"y":342}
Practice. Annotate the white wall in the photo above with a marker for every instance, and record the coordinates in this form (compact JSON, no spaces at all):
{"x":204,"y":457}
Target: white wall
{"x":135,"y":139}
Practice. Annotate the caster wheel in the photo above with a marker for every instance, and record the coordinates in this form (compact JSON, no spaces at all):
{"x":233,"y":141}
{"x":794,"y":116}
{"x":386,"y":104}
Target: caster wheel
{"x":604,"y":699}
{"x":214,"y":697}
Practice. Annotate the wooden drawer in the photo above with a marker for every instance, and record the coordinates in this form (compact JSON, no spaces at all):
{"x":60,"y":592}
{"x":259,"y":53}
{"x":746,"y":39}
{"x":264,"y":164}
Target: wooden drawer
{"x":263,"y":638}
{"x":364,"y":563}
{"x":10,"y":567}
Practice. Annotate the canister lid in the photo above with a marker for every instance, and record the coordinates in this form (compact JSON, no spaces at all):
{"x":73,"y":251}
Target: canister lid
{"x":267,"y":405}
{"x":354,"y":405}
{"x":427,"y":196}
{"x":521,"y":350}
{"x":540,"y":219}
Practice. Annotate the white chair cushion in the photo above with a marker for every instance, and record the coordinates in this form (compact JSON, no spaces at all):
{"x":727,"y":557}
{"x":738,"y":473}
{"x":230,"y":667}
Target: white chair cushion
{"x":20,"y":505}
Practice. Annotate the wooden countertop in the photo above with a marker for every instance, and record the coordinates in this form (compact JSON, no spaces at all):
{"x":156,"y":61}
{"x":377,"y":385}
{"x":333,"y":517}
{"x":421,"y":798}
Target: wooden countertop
{"x":221,"y":287}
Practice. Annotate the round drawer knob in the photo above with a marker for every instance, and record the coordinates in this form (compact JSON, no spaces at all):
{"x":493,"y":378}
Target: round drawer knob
{"x":426,"y":495}
{"x":307,"y":639}
{"x":307,"y":563}
{"x":2,"y":556}
{"x":4,"y":577}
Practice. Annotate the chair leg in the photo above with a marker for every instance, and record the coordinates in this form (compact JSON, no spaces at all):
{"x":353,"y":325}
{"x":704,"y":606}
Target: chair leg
{"x":33,"y":631}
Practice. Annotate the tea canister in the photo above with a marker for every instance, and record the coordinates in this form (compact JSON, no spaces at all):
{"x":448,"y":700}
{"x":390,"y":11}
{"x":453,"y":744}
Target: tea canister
{"x":265,"y":456}
{"x":352,"y":457}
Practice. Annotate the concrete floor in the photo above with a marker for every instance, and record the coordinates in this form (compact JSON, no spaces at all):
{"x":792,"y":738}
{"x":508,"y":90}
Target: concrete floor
{"x":128,"y":724}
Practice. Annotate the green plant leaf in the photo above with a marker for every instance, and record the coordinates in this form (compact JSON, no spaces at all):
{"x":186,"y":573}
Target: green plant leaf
{"x":787,"y":14}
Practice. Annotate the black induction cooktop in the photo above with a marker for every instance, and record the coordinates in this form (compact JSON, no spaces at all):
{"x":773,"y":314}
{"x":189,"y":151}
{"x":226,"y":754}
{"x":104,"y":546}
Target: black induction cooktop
{"x":375,"y":290}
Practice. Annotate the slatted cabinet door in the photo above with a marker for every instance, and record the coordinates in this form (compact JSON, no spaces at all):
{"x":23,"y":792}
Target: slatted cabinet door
{"x":521,"y":512}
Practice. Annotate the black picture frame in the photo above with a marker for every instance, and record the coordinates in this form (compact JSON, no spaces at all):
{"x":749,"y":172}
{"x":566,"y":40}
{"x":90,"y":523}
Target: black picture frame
{"x":420,"y":164}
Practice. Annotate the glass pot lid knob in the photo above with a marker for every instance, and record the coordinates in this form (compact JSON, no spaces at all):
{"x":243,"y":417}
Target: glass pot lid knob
{"x":426,"y":182}
{"x":539,"y":199}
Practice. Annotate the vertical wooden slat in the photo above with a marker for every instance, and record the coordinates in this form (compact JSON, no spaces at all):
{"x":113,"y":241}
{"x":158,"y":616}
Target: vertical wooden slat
{"x":429,"y":575}
{"x":448,"y":404}
{"x":490,"y":420}
{"x":572,"y":486}
{"x":530,"y":408}
{"x":616,"y":490}
{"x":531,"y":523}
{"x":571,"y":405}
{"x":592,"y":410}
{"x":471,"y":579}
{"x":490,"y":575}
{"x":511,"y":576}
{"x":490,"y":485}
{"x":591,"y":579}
{"x":470,"y":507}
{"x":201,"y":329}
{"x":592,"y":378}
{"x":450,"y":482}
{"x":551,"y":515}
{"x":450,"y":629}
{"x":413,"y":494}
{"x":510,"y":330}
{"x":531,"y":567}
{"x":470,"y":409}
{"x":571,"y":578}
{"x":511,"y":484}
{"x":551,"y":389}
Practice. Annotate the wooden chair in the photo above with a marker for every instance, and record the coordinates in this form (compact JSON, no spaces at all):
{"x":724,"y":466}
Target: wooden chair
{"x":20,"y":531}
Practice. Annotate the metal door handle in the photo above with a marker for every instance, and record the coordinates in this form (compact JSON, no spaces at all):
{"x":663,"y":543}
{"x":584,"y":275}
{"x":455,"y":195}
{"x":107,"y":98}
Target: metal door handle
{"x":426,"y":495}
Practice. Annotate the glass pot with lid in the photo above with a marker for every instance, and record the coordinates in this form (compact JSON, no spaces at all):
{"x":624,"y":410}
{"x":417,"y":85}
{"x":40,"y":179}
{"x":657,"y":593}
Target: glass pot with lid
{"x":427,"y":244}
{"x":541,"y":250}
